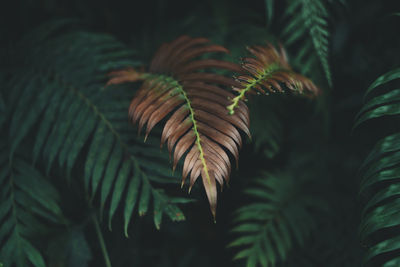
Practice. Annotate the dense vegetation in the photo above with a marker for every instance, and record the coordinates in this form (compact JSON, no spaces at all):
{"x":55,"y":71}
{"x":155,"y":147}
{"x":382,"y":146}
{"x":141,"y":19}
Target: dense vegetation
{"x":317,"y":184}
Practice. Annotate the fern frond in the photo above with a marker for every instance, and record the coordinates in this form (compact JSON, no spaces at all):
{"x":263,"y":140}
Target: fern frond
{"x":383,"y":79}
{"x":266,"y":72}
{"x":199,"y":125}
{"x":310,"y":17}
{"x":63,"y":97}
{"x":269,"y":227}
{"x":27,"y":200}
{"x":381,"y":212}
{"x":380,"y":174}
{"x":383,"y":104}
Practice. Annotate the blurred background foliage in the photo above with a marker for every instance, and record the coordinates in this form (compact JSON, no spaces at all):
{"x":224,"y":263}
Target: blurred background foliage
{"x":295,"y":199}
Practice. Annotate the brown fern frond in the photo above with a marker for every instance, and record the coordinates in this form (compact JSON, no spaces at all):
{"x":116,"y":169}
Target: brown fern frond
{"x":269,"y":71}
{"x":199,"y":125}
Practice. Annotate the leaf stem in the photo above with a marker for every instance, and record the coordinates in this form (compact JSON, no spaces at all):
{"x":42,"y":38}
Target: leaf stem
{"x":101,"y":240}
{"x":266,"y":74}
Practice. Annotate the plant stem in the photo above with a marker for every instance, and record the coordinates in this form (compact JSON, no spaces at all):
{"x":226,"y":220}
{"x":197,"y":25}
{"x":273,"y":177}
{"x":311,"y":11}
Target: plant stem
{"x":101,"y":240}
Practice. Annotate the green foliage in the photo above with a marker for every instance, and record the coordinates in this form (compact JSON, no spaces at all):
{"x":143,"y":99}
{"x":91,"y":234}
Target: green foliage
{"x":380,"y":179}
{"x":309,"y":17}
{"x":69,"y":153}
{"x":28,"y":204}
{"x":71,"y":110}
{"x":280,"y":217}
{"x":69,"y":249}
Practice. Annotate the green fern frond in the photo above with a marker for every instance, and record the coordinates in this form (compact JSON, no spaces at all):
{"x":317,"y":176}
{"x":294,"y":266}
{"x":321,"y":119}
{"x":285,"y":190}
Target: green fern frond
{"x":27,"y":200}
{"x":380,"y":178}
{"x":269,"y":227}
{"x":382,"y":104}
{"x":383,"y":79}
{"x":63,"y":103}
{"x":309,"y":17}
{"x":381,"y":212}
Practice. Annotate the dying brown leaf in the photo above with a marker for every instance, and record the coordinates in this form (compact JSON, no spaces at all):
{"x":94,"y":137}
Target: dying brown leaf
{"x":199,"y":127}
{"x":269,"y":72}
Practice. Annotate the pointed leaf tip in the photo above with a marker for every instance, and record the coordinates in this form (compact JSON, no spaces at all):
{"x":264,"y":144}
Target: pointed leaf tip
{"x":211,"y":191}
{"x":214,"y":213}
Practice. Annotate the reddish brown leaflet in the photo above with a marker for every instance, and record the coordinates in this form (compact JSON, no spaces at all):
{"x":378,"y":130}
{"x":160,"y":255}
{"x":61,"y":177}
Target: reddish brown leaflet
{"x":198,"y":126}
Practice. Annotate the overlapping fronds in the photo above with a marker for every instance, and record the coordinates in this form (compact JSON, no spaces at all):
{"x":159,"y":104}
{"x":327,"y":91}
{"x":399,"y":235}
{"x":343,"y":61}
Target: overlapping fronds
{"x":199,"y":125}
{"x":269,"y":71}
{"x":309,"y":18}
{"x":28,"y":203}
{"x":380,"y":180}
{"x":269,"y":227}
{"x":59,"y":98}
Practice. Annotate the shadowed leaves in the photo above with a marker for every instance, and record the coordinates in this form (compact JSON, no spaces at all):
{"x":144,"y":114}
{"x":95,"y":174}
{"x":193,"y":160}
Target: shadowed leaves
{"x":78,"y":126}
{"x":277,"y":220}
{"x":380,"y":182}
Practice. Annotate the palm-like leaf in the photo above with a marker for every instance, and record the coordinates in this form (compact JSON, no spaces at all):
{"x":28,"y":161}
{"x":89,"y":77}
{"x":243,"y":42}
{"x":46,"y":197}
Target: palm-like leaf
{"x":27,"y":202}
{"x":381,"y":171}
{"x":199,"y":126}
{"x":269,"y":227}
{"x":309,"y":17}
{"x":268,"y":71}
{"x":383,"y":104}
{"x":62,"y":95}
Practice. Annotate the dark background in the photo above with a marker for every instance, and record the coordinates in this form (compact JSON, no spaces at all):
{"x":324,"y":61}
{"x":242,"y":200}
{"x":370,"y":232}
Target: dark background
{"x":317,"y":137}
